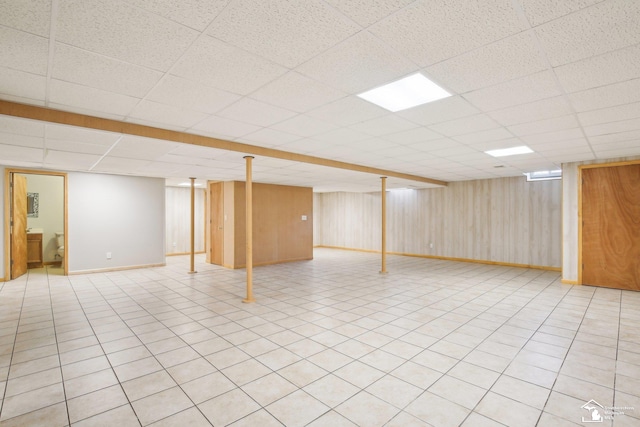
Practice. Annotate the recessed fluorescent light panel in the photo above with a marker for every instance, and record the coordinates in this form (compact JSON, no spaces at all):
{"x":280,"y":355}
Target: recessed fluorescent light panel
{"x":188,"y":184}
{"x":544,"y":175}
{"x":522,"y":149}
{"x":405,"y":93}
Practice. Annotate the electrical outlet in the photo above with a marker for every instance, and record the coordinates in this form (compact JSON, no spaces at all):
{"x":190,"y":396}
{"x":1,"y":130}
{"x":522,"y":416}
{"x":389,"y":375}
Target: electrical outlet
{"x":304,"y":217}
{"x":175,"y":244}
{"x":108,"y":255}
{"x":431,"y":245}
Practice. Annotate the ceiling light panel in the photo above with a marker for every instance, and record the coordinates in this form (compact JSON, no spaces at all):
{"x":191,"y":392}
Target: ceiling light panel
{"x":405,"y":93}
{"x":502,"y":152}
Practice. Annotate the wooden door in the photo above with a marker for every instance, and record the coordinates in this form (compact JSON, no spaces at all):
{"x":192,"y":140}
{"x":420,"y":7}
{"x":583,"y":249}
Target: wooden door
{"x":18,"y":225}
{"x":217,"y":222}
{"x":611,"y":227}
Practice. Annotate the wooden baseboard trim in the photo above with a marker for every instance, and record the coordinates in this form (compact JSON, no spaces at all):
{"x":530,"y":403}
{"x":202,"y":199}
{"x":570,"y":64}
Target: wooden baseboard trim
{"x":184,"y":253}
{"x":569,"y":282}
{"x":262,"y":264}
{"x":444,"y":258}
{"x":106,"y":270}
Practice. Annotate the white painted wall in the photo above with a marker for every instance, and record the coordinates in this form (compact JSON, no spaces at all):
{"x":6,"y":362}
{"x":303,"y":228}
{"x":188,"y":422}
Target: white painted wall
{"x":50,"y":218}
{"x":570,"y":189}
{"x":124,"y":215}
{"x":178,"y":220}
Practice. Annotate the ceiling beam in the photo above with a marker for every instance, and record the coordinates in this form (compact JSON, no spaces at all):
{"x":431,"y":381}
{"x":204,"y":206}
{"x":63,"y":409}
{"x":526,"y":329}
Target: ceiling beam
{"x":49,"y":115}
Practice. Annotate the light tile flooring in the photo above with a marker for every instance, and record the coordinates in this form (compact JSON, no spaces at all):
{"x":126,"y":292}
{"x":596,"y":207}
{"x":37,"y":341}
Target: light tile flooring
{"x":330,"y":342}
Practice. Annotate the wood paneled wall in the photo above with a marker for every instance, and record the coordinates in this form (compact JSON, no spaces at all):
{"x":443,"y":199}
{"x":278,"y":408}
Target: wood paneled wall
{"x":178,"y":220}
{"x":279,"y":233}
{"x":505,"y":220}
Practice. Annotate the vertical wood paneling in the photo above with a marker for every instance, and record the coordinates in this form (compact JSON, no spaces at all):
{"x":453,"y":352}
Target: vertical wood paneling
{"x":178,"y":220}
{"x":505,"y":220}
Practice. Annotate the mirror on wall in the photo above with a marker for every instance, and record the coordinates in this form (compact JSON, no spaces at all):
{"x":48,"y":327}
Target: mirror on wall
{"x":32,"y":205}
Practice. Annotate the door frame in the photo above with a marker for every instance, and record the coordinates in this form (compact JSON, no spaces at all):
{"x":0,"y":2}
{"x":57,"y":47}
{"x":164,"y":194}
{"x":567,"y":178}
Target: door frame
{"x":580,"y":200}
{"x":7,"y":202}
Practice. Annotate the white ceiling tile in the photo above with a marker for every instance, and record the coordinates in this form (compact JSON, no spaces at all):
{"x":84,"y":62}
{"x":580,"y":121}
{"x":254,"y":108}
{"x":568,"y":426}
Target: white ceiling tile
{"x":14,"y":152}
{"x":413,"y":136}
{"x":347,"y":111}
{"x":506,"y":59}
{"x":386,"y":125}
{"x":452,"y":151}
{"x":297,"y":92}
{"x":162,"y":113}
{"x":574,"y":158}
{"x":547,"y":125}
{"x":20,"y":126}
{"x":533,"y":111}
{"x":530,"y":88}
{"x":372,"y":144}
{"x":601,"y":28}
{"x":342,"y":136}
{"x":218,"y":64}
{"x":24,"y":51}
{"x":395,"y":151}
{"x":611,"y":114}
{"x":196,"y":14}
{"x":606,"y":96}
{"x":122,"y":31}
{"x":78,"y":134}
{"x":267,"y":137}
{"x":304,"y":146}
{"x":495,"y":144}
{"x":484,"y":136}
{"x":176,"y":91}
{"x":440,"y":111}
{"x":134,"y":147}
{"x":618,"y":152}
{"x":613,"y":127}
{"x":579,"y":143}
{"x":541,"y":11}
{"x":576,"y":148}
{"x":119,"y":164}
{"x":560,"y":135}
{"x":304,"y":126}
{"x":187,"y":150}
{"x":33,"y":16}
{"x":71,"y":160}
{"x":288,"y":33}
{"x":160,"y":169}
{"x":612,"y":67}
{"x":258,"y":113}
{"x":360,"y":63}
{"x":101,"y":72}
{"x":219,"y":127}
{"x":434,"y":144}
{"x":367,"y":12}
{"x":20,"y":84}
{"x":465,"y":125}
{"x":21,"y":140}
{"x":622,"y":145}
{"x":428,"y":32}
{"x":615,"y":137}
{"x":76,"y":146}
{"x":72,"y":95}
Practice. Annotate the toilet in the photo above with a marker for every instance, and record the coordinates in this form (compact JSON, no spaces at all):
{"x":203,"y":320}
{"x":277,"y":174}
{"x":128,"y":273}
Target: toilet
{"x":60,"y":244}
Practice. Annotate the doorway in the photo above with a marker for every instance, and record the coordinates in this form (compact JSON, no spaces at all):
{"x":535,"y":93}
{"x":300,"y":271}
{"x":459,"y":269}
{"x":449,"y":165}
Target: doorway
{"x":35,"y":221}
{"x":610,"y":226}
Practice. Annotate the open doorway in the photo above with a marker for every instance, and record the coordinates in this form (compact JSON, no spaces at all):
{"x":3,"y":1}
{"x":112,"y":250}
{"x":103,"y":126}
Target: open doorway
{"x":35,"y":221}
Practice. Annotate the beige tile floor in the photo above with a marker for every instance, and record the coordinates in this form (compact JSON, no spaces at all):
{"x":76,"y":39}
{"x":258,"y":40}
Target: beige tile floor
{"x":329,"y":342}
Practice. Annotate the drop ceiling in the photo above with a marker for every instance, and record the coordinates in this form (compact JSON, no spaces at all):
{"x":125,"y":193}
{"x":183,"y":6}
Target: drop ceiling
{"x":560,"y":77}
